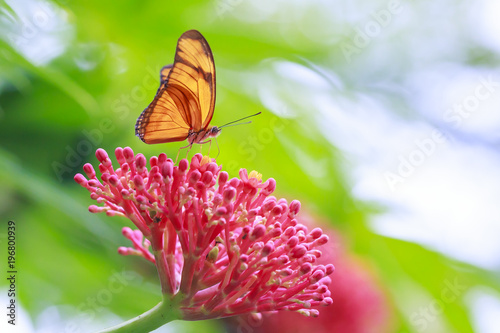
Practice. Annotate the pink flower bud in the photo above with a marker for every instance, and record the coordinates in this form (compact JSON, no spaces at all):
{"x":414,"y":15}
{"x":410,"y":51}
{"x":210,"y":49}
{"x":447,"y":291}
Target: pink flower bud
{"x":276,"y":232}
{"x":81,"y":180}
{"x":141,"y":200}
{"x":162,"y":158}
{"x":103,"y":169}
{"x":223,"y":177}
{"x":212,"y":167}
{"x":289,"y":232}
{"x":316,"y":233}
{"x":329,"y":269}
{"x":153,"y":161}
{"x":105,"y":177}
{"x":294,"y":207}
{"x":235,"y":182}
{"x":258,"y":231}
{"x":276,"y":211}
{"x":305,"y":268}
{"x":221,"y":211}
{"x":194,"y":177}
{"x":95,"y":209}
{"x":119,"y":155}
{"x":229,"y":194}
{"x":268,"y":248}
{"x":138,"y":183}
{"x":113,"y":180}
{"x":102,"y":156}
{"x":298,"y":251}
{"x":128,"y":153}
{"x":123,"y":250}
{"x":140,"y":162}
{"x":89,"y":170}
{"x":270,"y":187}
{"x":167,"y":170}
{"x":183,"y":166}
{"x":292,"y":242}
{"x":127,"y":232}
{"x":268,"y":206}
{"x":207,"y":178}
{"x":321,"y":240}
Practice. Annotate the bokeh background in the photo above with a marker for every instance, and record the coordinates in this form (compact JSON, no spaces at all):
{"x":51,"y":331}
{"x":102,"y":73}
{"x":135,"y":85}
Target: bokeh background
{"x":381,"y":117}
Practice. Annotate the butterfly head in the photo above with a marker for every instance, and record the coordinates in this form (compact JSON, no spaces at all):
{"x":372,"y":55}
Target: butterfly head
{"x":214,"y":131}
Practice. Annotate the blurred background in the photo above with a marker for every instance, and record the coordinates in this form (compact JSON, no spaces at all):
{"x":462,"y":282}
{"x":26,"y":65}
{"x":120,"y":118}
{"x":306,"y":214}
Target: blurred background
{"x":381,"y":117}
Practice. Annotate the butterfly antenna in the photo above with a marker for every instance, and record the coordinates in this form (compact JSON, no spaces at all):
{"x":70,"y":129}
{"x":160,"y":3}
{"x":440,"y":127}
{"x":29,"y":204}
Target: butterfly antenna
{"x":247,"y":122}
{"x":232,"y":122}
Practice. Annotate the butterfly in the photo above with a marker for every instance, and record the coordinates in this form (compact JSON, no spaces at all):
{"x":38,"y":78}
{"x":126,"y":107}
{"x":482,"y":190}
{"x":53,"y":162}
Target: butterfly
{"x":184,"y":103}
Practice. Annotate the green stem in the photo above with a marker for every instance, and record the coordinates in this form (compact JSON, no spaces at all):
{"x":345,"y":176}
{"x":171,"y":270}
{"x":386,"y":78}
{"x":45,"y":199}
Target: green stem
{"x":164,"y":312}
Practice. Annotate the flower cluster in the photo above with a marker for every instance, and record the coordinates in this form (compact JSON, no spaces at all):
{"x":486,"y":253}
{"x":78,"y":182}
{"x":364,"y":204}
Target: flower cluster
{"x":222,"y":246}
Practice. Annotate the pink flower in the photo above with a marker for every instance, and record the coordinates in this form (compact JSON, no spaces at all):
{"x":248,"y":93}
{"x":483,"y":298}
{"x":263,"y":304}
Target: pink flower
{"x":222,"y":246}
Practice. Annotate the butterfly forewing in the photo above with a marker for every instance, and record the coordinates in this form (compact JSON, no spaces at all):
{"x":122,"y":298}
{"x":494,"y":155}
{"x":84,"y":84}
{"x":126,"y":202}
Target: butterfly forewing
{"x":194,"y":59}
{"x":186,"y":99}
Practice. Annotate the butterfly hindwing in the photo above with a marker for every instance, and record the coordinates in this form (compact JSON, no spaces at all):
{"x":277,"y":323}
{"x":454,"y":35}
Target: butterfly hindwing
{"x":186,"y":99}
{"x":164,"y":71}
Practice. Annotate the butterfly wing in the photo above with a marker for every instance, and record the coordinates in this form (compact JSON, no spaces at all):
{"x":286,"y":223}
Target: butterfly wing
{"x":186,"y":98}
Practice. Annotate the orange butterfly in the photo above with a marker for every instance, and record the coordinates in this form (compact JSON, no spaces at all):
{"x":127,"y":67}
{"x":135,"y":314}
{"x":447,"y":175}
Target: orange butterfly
{"x":184,"y":104}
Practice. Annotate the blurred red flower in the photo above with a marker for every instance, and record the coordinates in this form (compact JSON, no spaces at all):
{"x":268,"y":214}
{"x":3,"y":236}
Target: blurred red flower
{"x":359,"y":303}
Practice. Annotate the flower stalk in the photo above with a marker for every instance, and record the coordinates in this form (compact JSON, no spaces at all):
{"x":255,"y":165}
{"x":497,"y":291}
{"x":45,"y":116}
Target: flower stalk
{"x":164,"y":312}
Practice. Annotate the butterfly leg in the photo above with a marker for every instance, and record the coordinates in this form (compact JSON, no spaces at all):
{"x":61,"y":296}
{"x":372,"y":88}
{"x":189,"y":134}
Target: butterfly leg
{"x":181,"y":148}
{"x":208,"y":141}
{"x":189,"y":149}
{"x":218,"y":148}
{"x":177,"y":157}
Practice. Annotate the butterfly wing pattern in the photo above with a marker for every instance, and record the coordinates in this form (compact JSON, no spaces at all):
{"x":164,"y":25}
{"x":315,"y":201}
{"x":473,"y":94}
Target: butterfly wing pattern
{"x":184,"y":104}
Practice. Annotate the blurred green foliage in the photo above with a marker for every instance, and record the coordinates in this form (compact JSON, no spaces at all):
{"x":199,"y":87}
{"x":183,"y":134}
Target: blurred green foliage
{"x":105,"y":76}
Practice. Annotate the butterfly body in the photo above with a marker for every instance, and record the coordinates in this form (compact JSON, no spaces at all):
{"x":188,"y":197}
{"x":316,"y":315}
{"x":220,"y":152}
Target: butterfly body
{"x":203,"y":135}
